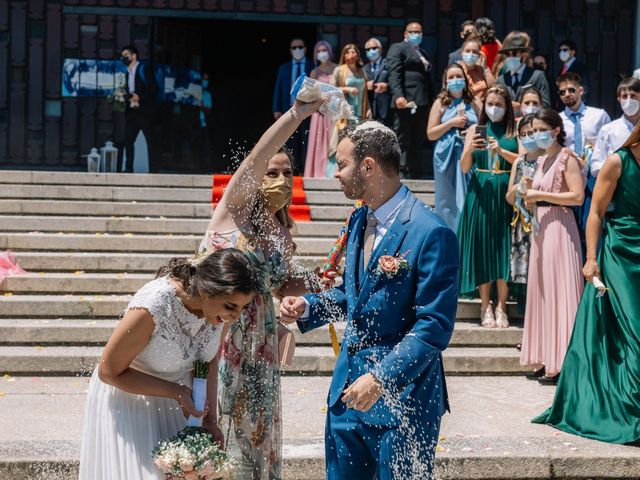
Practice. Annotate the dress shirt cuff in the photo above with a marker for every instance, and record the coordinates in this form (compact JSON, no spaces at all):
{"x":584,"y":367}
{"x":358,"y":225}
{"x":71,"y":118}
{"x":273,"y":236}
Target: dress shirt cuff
{"x":307,"y":311}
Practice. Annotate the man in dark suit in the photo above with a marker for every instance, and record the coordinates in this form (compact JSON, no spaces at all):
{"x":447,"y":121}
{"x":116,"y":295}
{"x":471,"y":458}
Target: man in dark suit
{"x":567,"y":53}
{"x":141,"y":107}
{"x":411,"y":84}
{"x":282,"y":99}
{"x":377,"y":82}
{"x":466,"y":29}
{"x":517,"y":76}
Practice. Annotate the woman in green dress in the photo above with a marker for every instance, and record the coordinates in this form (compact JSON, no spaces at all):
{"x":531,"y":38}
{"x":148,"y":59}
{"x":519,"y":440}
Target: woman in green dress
{"x":484,"y":230}
{"x":598,"y":393}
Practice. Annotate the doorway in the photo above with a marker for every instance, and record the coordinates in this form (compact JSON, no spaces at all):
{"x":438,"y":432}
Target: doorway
{"x":242,"y":60}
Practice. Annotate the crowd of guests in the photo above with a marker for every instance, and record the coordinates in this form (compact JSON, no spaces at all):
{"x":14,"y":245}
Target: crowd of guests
{"x":517,"y":153}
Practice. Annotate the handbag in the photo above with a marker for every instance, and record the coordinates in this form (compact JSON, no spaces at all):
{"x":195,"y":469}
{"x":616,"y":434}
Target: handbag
{"x":286,"y":345}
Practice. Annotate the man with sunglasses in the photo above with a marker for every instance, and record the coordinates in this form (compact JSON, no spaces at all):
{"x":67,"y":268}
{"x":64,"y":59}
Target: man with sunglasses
{"x":283,"y":100}
{"x":567,"y":53}
{"x":377,"y":81}
{"x":581,"y":125}
{"x":517,"y":76}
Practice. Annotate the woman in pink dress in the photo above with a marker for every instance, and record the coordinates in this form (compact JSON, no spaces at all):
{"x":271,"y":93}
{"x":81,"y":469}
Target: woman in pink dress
{"x":555,"y":281}
{"x":320,"y":128}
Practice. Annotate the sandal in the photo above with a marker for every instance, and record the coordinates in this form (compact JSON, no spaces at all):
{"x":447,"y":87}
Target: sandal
{"x":488,"y":320}
{"x":502,"y":321}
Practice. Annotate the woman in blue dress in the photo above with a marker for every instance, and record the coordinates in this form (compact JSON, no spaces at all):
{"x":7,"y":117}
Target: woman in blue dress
{"x":451,"y":114}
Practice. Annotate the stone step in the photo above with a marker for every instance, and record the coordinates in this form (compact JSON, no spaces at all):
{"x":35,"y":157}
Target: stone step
{"x":17,"y":331}
{"x":82,"y":306}
{"x":140,"y":209}
{"x":81,"y":360}
{"x":99,"y":242}
{"x":37,"y":262}
{"x":150,"y":194}
{"x":24,"y":223}
{"x":488,"y":435}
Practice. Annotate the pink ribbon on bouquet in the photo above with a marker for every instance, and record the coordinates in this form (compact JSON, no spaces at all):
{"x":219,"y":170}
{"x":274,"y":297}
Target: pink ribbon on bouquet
{"x":9,"y":266}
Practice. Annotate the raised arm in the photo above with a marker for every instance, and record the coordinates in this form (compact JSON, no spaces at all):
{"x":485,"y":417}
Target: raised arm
{"x":466,"y":160}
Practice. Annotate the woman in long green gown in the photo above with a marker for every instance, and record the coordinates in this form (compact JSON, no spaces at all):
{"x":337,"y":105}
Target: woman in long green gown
{"x":598,"y":393}
{"x":484,"y":230}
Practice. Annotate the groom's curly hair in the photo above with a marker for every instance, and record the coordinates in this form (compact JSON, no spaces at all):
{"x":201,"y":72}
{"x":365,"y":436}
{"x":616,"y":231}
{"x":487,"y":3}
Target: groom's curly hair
{"x":375,"y":140}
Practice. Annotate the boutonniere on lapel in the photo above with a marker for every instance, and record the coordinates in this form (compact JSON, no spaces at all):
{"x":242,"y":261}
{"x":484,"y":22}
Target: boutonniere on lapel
{"x":390,"y":265}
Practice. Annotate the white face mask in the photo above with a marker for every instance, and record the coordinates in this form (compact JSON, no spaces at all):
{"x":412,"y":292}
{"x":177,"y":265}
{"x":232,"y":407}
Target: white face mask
{"x":495,"y":113}
{"x":529,"y":109}
{"x":297,"y":54}
{"x":564,"y":55}
{"x":630,"y":106}
{"x":322,"y":56}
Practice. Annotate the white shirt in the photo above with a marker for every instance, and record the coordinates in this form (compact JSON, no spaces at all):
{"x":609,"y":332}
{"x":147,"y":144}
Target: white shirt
{"x":386,"y":215}
{"x":592,"y":121}
{"x":132,"y":78}
{"x":610,"y":139}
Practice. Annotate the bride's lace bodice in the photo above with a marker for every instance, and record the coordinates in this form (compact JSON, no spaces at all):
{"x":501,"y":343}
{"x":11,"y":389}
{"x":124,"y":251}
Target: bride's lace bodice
{"x":179,"y":337}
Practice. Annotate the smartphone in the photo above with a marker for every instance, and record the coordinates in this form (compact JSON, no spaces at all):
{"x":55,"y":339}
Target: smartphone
{"x":482,"y":131}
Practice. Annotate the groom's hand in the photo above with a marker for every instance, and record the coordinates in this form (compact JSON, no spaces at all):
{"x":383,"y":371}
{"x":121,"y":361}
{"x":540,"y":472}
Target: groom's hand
{"x":291,"y":309}
{"x":363,"y":393}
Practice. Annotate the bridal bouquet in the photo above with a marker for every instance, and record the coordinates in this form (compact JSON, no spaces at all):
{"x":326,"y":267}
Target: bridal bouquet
{"x":192,"y":454}
{"x":118,"y":99}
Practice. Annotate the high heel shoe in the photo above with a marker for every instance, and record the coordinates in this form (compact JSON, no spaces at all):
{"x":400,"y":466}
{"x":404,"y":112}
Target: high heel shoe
{"x":535,"y":375}
{"x":502,"y":321}
{"x":488,"y":320}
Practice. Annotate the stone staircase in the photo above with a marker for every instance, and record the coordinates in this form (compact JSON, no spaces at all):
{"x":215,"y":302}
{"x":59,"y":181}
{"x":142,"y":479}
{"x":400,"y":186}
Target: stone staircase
{"x":89,"y":241}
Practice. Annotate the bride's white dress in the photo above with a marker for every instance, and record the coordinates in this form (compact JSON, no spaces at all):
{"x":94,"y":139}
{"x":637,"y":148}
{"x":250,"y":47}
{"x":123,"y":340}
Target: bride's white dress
{"x":121,"y":429}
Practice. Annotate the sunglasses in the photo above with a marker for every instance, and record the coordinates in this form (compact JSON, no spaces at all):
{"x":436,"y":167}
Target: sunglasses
{"x":297,"y":47}
{"x":371,"y":49}
{"x":513,"y":53}
{"x":524,"y":135}
{"x":564,"y":49}
{"x":571,"y":90}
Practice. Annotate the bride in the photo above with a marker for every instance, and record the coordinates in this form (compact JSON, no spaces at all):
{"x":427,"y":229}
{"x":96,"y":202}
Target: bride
{"x":139,"y":394}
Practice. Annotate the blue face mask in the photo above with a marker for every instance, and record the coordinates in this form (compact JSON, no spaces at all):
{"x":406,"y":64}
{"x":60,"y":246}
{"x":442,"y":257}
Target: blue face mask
{"x":544,"y":139}
{"x":373,"y":55}
{"x":470,"y":58}
{"x":530,"y":143}
{"x":456,"y":85}
{"x":512,"y":64}
{"x":414,"y":39}
{"x":205,"y":83}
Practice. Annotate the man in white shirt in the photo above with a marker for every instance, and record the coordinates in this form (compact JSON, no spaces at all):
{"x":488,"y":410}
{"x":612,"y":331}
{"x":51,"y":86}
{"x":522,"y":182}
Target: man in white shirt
{"x":614,"y":134}
{"x":581,"y":123}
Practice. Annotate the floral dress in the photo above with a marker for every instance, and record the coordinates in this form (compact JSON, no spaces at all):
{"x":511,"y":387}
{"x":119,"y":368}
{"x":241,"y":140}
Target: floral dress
{"x":249,"y":373}
{"x":521,"y":227}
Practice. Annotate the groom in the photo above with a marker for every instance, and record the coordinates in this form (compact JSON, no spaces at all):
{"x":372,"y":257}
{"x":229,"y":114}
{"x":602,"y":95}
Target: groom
{"x":399,"y":294}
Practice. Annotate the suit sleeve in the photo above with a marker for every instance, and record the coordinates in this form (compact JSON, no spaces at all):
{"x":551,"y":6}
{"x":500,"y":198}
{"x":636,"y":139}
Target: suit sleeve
{"x":148,"y":92}
{"x":277,"y":100}
{"x":396,"y":72}
{"x":542,"y":85}
{"x":436,"y":303}
{"x":324,"y":307}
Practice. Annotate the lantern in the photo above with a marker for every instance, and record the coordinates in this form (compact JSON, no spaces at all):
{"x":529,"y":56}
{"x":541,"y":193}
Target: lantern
{"x":93,"y":161}
{"x":109,"y":157}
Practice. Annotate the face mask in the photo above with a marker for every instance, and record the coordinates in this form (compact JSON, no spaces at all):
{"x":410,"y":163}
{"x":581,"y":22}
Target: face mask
{"x":205,"y":83}
{"x":494,"y":113}
{"x":564,"y":55}
{"x":529,"y":143}
{"x":456,"y":85}
{"x":126,"y":61}
{"x":297,"y":54}
{"x":414,"y":39}
{"x":322,"y":56}
{"x":630,"y":106}
{"x":470,"y":58}
{"x":277,"y":192}
{"x":373,"y":55}
{"x":512,"y":64}
{"x":544,"y":139}
{"x":529,"y":109}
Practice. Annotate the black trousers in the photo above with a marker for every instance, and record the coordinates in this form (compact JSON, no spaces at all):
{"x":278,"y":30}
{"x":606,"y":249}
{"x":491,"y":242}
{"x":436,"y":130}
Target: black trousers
{"x":297,"y":145}
{"x":412,"y":132}
{"x":136,"y":121}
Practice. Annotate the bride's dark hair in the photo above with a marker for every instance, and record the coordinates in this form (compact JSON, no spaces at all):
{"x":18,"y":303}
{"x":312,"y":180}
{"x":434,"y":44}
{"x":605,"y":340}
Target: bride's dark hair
{"x":223,"y":272}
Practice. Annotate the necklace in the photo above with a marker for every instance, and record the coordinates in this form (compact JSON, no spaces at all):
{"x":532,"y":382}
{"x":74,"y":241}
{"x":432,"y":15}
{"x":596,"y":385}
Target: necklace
{"x":547,"y":165}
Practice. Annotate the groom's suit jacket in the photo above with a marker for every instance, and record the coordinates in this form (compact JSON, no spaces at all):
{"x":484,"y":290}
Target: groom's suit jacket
{"x":396,"y":327}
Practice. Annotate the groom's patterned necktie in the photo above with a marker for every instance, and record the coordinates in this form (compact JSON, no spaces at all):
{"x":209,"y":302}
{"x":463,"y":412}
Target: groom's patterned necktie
{"x":369,"y":237}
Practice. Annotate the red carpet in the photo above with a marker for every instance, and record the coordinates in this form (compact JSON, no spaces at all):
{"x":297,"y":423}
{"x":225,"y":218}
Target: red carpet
{"x":299,"y":209}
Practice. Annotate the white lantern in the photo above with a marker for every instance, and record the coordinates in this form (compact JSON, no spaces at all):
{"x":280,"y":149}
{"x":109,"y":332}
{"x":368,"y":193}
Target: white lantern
{"x":93,"y":161}
{"x":109,"y":157}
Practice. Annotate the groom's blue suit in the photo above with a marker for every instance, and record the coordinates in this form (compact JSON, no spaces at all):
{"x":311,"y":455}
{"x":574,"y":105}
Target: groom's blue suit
{"x":397,"y":328}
